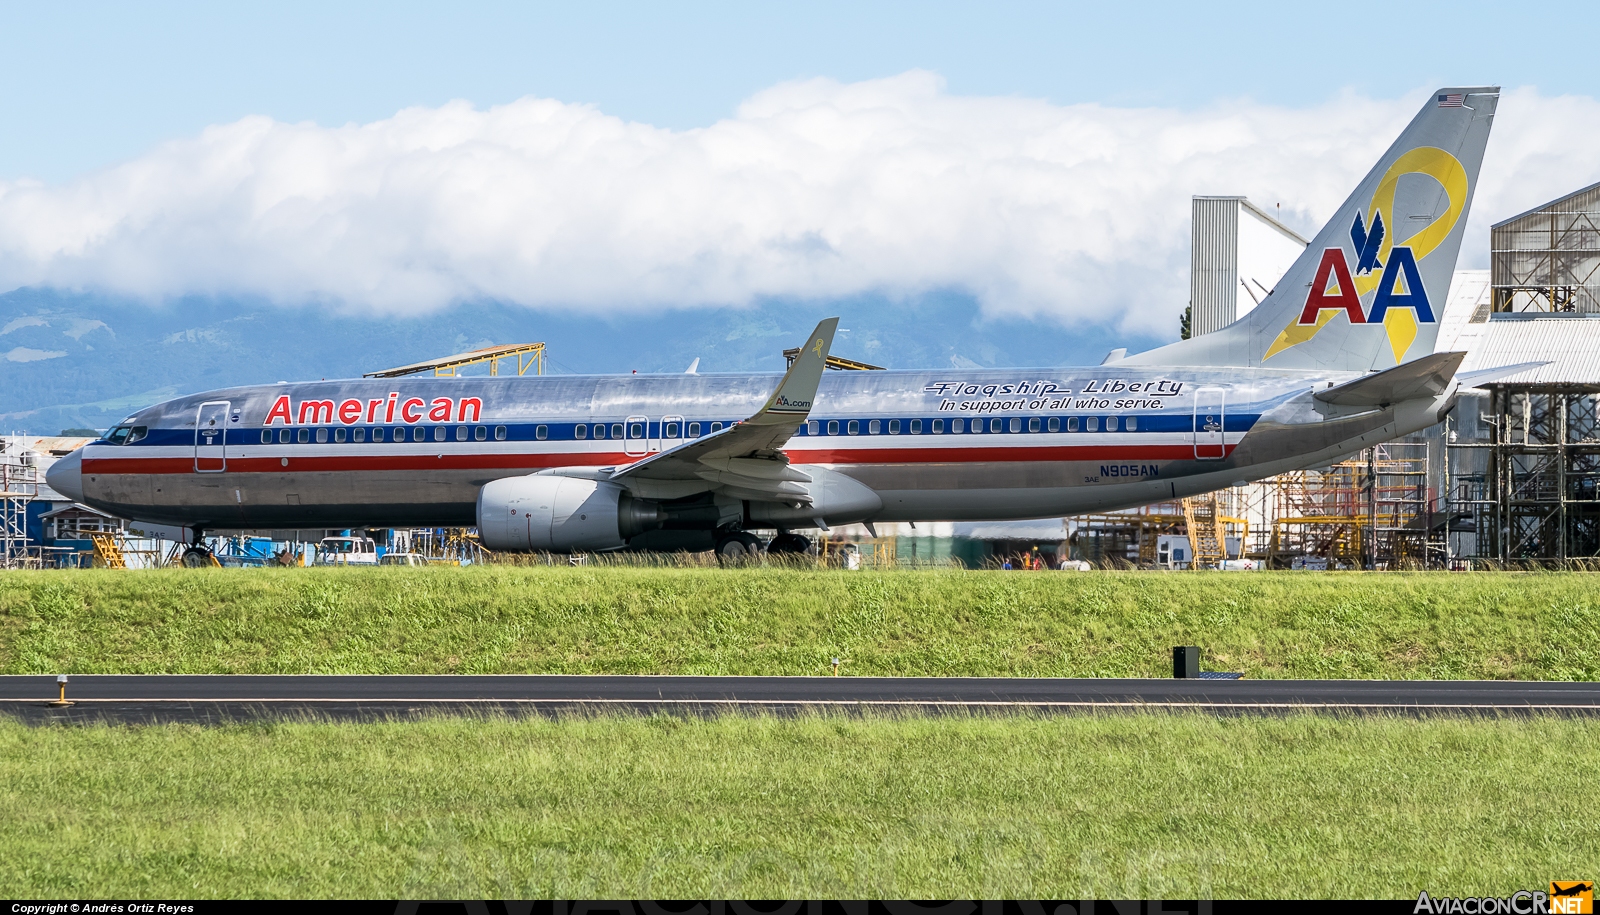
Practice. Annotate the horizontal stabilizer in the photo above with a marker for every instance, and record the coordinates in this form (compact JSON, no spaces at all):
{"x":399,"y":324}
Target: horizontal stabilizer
{"x":1426,"y":377}
{"x":1486,"y":376}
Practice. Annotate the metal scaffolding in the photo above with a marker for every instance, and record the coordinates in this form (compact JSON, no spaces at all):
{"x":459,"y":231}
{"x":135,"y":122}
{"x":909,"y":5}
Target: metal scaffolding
{"x":1529,"y":485}
{"x":19,"y":485}
{"x":1548,"y":259}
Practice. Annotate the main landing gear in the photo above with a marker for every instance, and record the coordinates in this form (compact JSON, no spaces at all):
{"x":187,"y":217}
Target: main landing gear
{"x":786,"y":542}
{"x":737,"y":548}
{"x":198,"y":556}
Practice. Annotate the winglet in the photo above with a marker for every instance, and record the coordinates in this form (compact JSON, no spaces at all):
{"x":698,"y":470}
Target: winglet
{"x":791,"y":402}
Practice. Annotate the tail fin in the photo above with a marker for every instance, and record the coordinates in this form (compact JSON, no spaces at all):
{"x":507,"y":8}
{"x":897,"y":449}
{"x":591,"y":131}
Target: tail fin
{"x":1368,"y":291}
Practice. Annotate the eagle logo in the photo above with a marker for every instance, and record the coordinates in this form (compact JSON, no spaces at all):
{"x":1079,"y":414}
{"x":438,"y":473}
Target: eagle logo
{"x":1367,"y":243}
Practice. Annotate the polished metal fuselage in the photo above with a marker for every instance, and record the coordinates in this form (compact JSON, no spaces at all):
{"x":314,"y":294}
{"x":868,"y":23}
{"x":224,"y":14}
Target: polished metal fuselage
{"x":415,"y":452}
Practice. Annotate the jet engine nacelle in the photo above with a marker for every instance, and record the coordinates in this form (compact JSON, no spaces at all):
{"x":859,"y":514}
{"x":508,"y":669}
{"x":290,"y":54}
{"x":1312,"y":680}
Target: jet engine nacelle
{"x":561,"y":513}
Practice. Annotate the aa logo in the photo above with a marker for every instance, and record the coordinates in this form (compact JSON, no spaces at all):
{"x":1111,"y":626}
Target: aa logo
{"x":1378,"y":282}
{"x":1571,"y":897}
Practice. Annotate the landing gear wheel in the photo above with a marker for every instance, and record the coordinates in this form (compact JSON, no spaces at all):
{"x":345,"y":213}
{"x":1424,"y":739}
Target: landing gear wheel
{"x":789,"y":543}
{"x":197,"y":557}
{"x":738,"y":548}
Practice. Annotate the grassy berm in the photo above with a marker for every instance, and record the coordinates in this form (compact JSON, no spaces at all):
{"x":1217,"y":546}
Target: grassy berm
{"x":1112,"y":806}
{"x":774,"y":621}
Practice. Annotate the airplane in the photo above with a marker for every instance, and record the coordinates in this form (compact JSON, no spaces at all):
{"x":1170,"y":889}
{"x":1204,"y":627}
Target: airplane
{"x":1337,"y":357}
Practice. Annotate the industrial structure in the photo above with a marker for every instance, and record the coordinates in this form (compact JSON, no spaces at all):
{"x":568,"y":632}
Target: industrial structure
{"x":1523,"y":457}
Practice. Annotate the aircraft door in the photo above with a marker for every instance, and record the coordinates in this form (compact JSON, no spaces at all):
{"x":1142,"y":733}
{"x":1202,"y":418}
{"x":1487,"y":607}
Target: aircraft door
{"x":636,"y":435}
{"x":671,"y":432}
{"x":1208,"y":424}
{"x":211,"y":437}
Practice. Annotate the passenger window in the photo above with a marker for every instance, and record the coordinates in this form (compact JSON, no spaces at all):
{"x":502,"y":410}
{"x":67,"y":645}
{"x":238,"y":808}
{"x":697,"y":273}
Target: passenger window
{"x":1111,"y":424}
{"x":994,"y":424}
{"x":499,"y":433}
{"x":1054,"y":425}
{"x":636,"y":430}
{"x":599,"y":430}
{"x":1072,"y":424}
{"x":338,"y":435}
{"x":1133,"y":423}
{"x":894,"y":427}
{"x":1016,"y":424}
{"x":377,"y":434}
{"x":616,"y":430}
{"x":438,"y":433}
{"x":322,"y":436}
{"x":302,"y":436}
{"x":1092,"y":424}
{"x":938,"y":426}
{"x":283,"y":436}
{"x":461,"y":433}
{"x":916,"y":427}
{"x":957,"y":425}
{"x":266,"y":436}
{"x":580,"y":431}
{"x":541,"y":432}
{"x":358,"y":435}
{"x":481,"y":433}
{"x":874,"y":427}
{"x":1033,"y":424}
{"x":694,"y":430}
{"x":833,"y":427}
{"x":854,"y":427}
{"x":812,"y":427}
{"x":672,"y":430}
{"x":419,"y":434}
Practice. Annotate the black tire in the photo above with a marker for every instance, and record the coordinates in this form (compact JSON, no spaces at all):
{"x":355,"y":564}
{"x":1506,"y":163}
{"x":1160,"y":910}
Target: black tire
{"x":789,"y":543}
{"x":738,"y":548}
{"x":196,"y":558}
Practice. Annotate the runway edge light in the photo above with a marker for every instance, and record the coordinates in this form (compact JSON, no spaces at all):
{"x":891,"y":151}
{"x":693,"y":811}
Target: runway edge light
{"x":61,"y":700}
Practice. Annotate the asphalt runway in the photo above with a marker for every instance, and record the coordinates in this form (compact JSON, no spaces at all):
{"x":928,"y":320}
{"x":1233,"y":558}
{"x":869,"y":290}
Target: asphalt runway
{"x":154,"y":698}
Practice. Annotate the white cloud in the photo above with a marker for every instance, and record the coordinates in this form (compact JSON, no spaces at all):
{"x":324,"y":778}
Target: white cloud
{"x":26,"y":354}
{"x":813,"y":189}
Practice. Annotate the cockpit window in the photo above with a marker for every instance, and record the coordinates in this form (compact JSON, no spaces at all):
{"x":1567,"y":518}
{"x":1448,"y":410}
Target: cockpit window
{"x":137,"y":433}
{"x":119,"y":435}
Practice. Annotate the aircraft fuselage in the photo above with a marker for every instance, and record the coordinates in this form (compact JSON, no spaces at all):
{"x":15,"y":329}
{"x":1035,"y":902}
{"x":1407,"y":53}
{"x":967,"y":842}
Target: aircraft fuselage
{"x":933,"y":445}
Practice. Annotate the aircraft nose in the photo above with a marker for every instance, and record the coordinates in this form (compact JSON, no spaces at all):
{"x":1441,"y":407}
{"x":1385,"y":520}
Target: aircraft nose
{"x":66,"y":476}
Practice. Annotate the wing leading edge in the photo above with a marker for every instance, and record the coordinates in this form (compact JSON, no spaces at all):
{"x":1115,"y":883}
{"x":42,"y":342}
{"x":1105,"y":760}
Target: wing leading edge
{"x":746,"y":460}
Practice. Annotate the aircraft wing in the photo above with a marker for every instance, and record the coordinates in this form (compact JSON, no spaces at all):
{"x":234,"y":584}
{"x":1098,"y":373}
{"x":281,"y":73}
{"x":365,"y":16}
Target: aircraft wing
{"x":746,"y":460}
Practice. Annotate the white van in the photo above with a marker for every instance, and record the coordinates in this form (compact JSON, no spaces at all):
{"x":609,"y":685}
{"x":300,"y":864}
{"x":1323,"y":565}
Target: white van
{"x":347,"y":551}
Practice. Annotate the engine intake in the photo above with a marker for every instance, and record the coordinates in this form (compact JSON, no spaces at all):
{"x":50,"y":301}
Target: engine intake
{"x":561,"y":513}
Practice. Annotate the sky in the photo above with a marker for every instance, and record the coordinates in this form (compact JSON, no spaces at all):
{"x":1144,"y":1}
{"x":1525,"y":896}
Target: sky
{"x":399,"y":158}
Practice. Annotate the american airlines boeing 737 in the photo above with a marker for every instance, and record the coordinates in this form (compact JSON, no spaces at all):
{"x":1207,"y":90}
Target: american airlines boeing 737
{"x":1339,"y":356}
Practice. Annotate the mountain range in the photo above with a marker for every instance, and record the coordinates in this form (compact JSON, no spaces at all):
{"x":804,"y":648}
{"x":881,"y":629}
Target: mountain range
{"x":73,"y":359}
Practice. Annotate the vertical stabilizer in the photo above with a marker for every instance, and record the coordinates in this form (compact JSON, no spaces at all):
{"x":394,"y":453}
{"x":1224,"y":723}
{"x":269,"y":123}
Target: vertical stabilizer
{"x":1368,"y":292}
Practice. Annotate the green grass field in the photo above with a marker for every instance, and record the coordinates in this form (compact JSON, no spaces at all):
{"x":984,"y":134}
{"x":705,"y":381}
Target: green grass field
{"x":1163,"y":806}
{"x":770,"y":621}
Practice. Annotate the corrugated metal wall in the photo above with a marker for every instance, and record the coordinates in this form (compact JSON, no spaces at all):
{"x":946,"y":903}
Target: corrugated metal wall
{"x":1214,"y":263}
